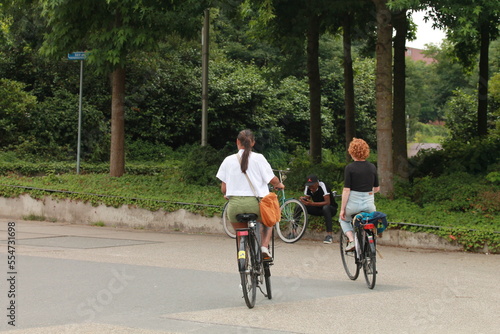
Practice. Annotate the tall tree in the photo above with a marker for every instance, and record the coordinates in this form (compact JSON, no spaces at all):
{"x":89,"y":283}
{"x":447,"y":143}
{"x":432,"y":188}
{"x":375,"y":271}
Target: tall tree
{"x":471,"y":26}
{"x":383,"y":88}
{"x":295,"y":25}
{"x":358,"y":24}
{"x":111,"y":30}
{"x":350,"y":126}
{"x":400,"y":23}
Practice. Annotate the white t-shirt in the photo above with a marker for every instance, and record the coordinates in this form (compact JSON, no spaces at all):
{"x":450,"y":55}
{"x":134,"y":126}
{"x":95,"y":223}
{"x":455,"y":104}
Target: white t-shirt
{"x":259,"y":171}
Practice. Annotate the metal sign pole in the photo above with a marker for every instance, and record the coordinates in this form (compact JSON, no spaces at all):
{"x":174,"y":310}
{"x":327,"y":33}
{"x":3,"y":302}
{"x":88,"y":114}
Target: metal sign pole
{"x":79,"y":120}
{"x":81,"y":57}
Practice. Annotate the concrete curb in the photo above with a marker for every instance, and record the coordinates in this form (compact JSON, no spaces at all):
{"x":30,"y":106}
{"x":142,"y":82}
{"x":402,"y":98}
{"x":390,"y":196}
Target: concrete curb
{"x":77,"y":212}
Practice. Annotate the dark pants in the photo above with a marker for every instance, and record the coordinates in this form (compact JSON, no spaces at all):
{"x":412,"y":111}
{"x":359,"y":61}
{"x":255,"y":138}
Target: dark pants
{"x":328,"y":211}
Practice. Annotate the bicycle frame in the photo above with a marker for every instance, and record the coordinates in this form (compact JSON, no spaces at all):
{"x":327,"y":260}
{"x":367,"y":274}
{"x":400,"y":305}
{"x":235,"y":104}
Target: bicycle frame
{"x":365,"y":239}
{"x":281,"y":192}
{"x":254,"y":269}
{"x":241,"y":235}
{"x":364,"y":233}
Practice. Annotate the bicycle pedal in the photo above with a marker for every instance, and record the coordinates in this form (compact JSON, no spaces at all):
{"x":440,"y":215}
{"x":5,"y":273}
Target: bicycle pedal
{"x":268,"y":260}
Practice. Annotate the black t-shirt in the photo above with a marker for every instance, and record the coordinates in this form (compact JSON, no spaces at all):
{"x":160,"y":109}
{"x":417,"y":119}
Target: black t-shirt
{"x":360,"y":176}
{"x":319,"y":195}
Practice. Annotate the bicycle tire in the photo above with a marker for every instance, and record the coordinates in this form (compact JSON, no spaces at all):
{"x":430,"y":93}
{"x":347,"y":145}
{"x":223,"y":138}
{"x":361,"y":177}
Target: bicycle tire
{"x":349,"y":259}
{"x":249,"y":274}
{"x":293,"y":222}
{"x":369,"y":264}
{"x":228,"y":227}
{"x":267,"y":279}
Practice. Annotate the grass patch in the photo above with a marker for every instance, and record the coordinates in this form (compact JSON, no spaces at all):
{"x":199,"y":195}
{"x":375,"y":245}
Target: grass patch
{"x":34,"y":217}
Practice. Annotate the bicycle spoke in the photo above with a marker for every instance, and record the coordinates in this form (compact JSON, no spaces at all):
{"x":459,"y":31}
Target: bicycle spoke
{"x":293,"y":221}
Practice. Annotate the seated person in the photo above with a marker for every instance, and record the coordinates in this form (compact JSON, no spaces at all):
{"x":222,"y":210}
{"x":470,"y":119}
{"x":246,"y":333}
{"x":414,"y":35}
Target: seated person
{"x":319,"y":201}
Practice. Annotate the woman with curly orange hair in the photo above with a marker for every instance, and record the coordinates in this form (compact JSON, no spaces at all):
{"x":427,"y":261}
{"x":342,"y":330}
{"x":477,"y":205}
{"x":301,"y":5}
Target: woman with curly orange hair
{"x":360,"y":186}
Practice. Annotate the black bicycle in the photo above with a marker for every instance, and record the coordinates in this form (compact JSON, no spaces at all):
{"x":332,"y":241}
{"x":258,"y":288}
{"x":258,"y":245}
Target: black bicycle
{"x":364,"y":254}
{"x":254,"y":269}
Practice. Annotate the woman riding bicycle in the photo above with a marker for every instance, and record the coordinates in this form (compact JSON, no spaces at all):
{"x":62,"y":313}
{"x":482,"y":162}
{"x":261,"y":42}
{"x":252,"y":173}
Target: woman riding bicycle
{"x":237,"y":189}
{"x":360,"y":186}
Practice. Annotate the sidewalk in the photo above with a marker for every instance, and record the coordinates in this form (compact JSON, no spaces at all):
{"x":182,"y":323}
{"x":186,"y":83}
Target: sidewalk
{"x":84,"y":279}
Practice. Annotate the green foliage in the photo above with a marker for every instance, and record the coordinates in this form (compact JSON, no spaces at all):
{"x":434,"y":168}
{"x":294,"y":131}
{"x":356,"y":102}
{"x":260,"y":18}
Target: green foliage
{"x":113,"y":29}
{"x":54,"y":131}
{"x":163,"y":102}
{"x":461,"y":116}
{"x":456,"y":192}
{"x":494,"y":177}
{"x":364,"y":92}
{"x":429,"y":133}
{"x":146,"y":151}
{"x":474,"y":157}
{"x":201,"y":164}
{"x":50,"y":168}
{"x":16,"y":110}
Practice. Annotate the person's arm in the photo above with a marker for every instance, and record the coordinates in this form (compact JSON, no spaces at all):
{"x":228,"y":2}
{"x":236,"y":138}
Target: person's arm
{"x":376,"y":189}
{"x":325,"y":202}
{"x":275,"y":182}
{"x":223,"y":188}
{"x":345,"y":198}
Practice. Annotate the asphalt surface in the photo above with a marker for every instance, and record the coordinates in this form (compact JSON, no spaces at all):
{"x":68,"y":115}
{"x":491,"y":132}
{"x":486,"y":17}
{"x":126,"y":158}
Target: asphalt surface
{"x":84,"y":279}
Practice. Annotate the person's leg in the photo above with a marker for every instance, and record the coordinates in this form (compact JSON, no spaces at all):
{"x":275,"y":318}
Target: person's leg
{"x":352,"y":207}
{"x":266,"y":234}
{"x":327,"y":211}
{"x":358,"y":202}
{"x":314,"y":210}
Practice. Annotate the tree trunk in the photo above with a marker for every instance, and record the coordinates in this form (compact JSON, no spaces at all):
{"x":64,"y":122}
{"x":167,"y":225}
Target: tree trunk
{"x":383,"y":96}
{"x":482,"y":106}
{"x":399,"y":122}
{"x":117,"y":157}
{"x":314,"y":88}
{"x":350,"y":126}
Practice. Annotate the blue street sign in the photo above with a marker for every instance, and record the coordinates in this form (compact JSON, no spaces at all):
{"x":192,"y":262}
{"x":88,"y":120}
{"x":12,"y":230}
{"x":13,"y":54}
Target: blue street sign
{"x":77,"y":56}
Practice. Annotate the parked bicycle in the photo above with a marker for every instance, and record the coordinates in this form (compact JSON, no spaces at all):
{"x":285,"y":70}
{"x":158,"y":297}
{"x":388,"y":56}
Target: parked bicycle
{"x":364,"y":254}
{"x":254,"y":269}
{"x":293,"y":222}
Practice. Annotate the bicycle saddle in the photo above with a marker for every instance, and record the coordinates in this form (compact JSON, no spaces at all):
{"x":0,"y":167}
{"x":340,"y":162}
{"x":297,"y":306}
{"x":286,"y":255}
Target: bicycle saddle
{"x":246,"y":217}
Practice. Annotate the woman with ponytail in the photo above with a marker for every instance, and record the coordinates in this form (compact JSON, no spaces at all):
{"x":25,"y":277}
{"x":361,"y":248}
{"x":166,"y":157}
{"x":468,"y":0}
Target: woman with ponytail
{"x":236,"y":187}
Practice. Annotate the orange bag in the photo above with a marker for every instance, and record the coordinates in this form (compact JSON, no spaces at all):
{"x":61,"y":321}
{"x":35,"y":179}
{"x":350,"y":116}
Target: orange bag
{"x":270,"y":212}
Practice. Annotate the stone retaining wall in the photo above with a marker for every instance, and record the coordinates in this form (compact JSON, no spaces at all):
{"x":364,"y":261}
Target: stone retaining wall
{"x":77,"y":212}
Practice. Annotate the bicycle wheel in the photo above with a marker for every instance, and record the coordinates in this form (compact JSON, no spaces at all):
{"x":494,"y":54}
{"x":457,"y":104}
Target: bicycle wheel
{"x":267,"y":279}
{"x":228,"y":227}
{"x":249,"y":275}
{"x":369,"y":264}
{"x":293,"y":222}
{"x":351,"y":264}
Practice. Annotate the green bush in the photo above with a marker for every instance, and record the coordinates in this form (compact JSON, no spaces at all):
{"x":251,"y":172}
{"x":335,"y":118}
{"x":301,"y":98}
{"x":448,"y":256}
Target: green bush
{"x":474,"y":157}
{"x":201,"y":164}
{"x":16,"y":112}
{"x":141,"y":150}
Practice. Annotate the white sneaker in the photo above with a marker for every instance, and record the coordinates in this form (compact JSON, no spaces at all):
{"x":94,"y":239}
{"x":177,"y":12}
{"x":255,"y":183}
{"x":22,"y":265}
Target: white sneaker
{"x":350,"y":246}
{"x":265,"y":252}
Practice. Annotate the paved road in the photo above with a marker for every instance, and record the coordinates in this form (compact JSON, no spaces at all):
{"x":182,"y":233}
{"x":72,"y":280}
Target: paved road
{"x":83,"y":279}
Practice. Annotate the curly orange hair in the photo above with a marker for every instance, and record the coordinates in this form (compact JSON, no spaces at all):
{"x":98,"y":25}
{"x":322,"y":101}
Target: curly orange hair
{"x":359,"y":149}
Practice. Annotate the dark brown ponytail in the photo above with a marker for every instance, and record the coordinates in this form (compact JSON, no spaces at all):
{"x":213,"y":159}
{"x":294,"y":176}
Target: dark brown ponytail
{"x":246,"y":139}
